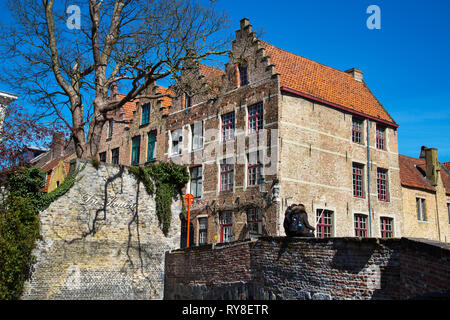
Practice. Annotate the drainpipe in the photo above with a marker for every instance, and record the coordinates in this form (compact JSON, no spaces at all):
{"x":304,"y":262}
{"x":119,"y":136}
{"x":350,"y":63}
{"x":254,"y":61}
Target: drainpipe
{"x":368,"y":178}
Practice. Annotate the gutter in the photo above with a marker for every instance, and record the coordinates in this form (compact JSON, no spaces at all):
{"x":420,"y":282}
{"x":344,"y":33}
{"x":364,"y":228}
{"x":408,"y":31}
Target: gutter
{"x":368,"y":178}
{"x":334,"y":105}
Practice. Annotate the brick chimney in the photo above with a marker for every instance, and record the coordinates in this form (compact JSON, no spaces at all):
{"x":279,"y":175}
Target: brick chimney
{"x":422,"y":152}
{"x":57,"y":145}
{"x":432,"y":165}
{"x":244,"y":22}
{"x":356,"y":74}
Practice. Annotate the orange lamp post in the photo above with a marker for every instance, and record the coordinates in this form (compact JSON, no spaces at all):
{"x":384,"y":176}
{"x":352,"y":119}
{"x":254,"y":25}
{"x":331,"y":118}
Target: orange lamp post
{"x":189,"y":198}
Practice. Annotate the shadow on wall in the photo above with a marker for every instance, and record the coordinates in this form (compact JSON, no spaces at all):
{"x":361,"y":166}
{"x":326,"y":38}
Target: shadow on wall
{"x":350,"y":258}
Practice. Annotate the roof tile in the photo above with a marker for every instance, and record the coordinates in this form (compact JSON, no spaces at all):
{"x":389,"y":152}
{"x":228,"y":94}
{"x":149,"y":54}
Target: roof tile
{"x":323,"y":82}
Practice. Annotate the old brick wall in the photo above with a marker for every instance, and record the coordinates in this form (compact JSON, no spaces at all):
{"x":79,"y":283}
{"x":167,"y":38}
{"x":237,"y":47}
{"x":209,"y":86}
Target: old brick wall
{"x":119,"y":256}
{"x":296,"y":268}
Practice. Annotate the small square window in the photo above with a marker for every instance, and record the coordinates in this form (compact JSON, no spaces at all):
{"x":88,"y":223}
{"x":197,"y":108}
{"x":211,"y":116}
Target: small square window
{"x":254,"y":169}
{"x":197,"y":135}
{"x":110,"y":128}
{"x":255,"y":118}
{"x":381,"y":138}
{"x":145,"y":113}
{"x":135,"y":150}
{"x":226,"y":226}
{"x":196,"y":182}
{"x":382,"y":184}
{"x":202,"y":230}
{"x":177,"y":141}
{"x":360,"y":225}
{"x":243,"y":75}
{"x":358,"y":174}
{"x":387,"y":227}
{"x":421,"y":209}
{"x":324,"y":227}
{"x":226,"y":177}
{"x":254,"y":221}
{"x":228,"y":126}
{"x":115,"y":156}
{"x":357,"y":130}
{"x":151,"y":148}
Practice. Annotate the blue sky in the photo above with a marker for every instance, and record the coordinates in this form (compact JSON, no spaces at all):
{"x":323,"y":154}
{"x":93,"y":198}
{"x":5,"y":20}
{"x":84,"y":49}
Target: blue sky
{"x":406,"y":63}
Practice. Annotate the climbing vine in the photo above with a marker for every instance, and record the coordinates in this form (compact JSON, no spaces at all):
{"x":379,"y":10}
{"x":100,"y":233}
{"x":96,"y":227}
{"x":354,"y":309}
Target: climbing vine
{"x":19,"y":224}
{"x":162,"y":180}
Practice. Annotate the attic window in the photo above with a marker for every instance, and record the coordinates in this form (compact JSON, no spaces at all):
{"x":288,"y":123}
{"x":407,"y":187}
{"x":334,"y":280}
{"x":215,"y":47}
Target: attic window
{"x":243,"y":74}
{"x":145,"y":114}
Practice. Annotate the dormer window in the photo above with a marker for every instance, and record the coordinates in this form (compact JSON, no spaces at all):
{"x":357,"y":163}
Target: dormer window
{"x":145,"y":113}
{"x":243,"y":74}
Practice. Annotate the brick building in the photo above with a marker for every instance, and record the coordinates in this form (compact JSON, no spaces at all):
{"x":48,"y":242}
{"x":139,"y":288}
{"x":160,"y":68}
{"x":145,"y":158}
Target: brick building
{"x":426,"y":196}
{"x":55,"y":161}
{"x":271,"y":129}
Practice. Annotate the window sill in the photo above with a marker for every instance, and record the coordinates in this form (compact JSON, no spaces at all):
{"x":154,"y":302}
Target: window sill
{"x":151,"y":161}
{"x":198,"y":149}
{"x":143,"y":125}
{"x":109,"y":139}
{"x":175,"y":155}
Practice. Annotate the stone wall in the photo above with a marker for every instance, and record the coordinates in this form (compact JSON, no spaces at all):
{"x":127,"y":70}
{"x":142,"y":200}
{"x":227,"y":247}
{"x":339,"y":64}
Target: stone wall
{"x":299,"y":268}
{"x":102,"y":240}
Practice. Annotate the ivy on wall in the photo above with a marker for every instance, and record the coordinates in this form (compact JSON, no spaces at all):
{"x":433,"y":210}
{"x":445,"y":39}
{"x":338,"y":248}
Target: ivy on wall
{"x":19,"y":224}
{"x":162,"y":180}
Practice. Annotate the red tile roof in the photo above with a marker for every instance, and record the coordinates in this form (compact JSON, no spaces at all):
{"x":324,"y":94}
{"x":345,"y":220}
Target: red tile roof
{"x":49,"y":166}
{"x":211,"y":73}
{"x":128,"y":108}
{"x":445,"y":176}
{"x":412,"y":174}
{"x":446,"y":165}
{"x":166,"y":101}
{"x":131,"y":106}
{"x":53,"y":163}
{"x":325,"y":83}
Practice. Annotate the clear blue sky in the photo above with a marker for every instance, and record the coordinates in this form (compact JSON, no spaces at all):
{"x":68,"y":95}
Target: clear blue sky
{"x":406,"y":63}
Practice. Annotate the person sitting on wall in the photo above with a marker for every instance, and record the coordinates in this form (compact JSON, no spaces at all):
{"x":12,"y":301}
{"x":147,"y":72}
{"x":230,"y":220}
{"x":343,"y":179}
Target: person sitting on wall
{"x":296,"y":221}
{"x":289,"y":228}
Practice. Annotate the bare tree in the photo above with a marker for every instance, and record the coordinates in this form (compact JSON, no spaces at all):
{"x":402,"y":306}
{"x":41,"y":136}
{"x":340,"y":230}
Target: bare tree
{"x":67,"y":69}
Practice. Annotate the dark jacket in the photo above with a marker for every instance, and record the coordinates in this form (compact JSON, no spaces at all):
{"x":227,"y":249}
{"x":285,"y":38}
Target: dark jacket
{"x":296,"y":222}
{"x":305,"y":226}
